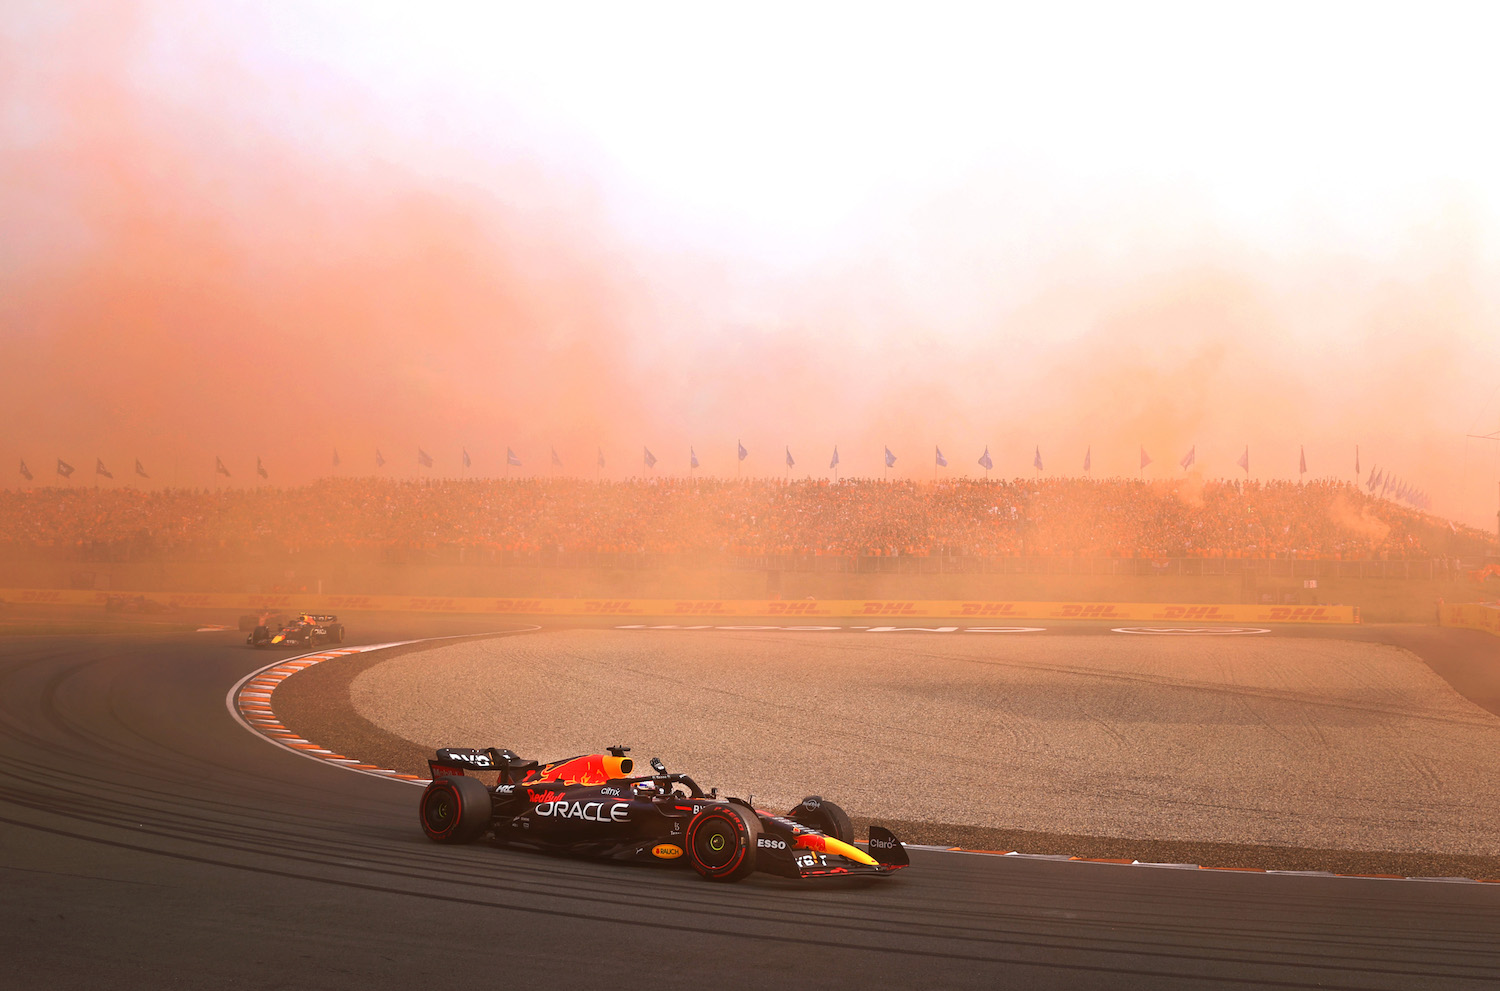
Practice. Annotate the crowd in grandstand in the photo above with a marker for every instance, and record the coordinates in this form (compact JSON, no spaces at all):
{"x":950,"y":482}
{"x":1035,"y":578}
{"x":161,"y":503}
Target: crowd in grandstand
{"x":1020,"y":518}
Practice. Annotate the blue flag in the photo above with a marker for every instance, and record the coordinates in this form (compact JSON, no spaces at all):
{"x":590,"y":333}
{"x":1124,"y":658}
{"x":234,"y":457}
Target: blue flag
{"x":890,"y":459}
{"x":379,"y":459}
{"x":942,"y":462}
{"x":140,"y":469}
{"x":1037,"y":461}
{"x":1088,"y":458}
{"x":99,"y":468}
{"x":835,"y":462}
{"x":511,"y":459}
{"x":692,"y":457}
{"x":64,"y":469}
{"x":789,"y":461}
{"x":25,"y":471}
{"x":467,"y":462}
{"x":423,"y":458}
{"x":219,"y":468}
{"x":743,"y":453}
{"x":650,"y":458}
{"x":984,"y":459}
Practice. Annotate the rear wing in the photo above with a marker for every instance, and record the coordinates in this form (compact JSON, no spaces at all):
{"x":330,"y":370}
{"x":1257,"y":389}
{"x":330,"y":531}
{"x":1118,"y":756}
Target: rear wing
{"x":454,"y":761}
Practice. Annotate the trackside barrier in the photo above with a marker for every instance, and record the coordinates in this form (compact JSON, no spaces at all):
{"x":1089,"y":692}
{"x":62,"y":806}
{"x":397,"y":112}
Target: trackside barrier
{"x":711,"y":608}
{"x":1471,"y":615}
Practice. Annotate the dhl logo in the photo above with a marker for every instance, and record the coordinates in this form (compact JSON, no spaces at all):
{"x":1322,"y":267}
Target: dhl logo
{"x":889,"y":609}
{"x":191,"y":601}
{"x":270,"y":601}
{"x":40,"y":595}
{"x":350,"y":602}
{"x":608,"y":606}
{"x":430,"y":605}
{"x":1192,"y":612}
{"x":1300,"y":613}
{"x":701,"y":608}
{"x":519,"y":605}
{"x":794,"y":609}
{"x":1090,"y":612}
{"x":987,"y":609}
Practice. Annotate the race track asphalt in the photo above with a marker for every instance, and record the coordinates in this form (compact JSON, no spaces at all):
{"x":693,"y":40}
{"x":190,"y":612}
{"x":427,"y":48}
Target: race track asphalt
{"x":147,"y":840}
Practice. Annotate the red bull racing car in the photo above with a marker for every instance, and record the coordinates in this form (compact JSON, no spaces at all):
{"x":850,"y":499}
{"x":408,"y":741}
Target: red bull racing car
{"x":307,"y":630}
{"x":594,"y":806}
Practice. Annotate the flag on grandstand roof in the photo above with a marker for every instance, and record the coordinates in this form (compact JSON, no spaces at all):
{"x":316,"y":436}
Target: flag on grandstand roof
{"x":650,"y":458}
{"x":335,"y":457}
{"x":379,"y":459}
{"x":99,"y":468}
{"x":1302,"y":460}
{"x":423,"y":458}
{"x":556,"y":461}
{"x":140,"y":469}
{"x":260,"y":469}
{"x":1088,"y":458}
{"x":789,"y":462}
{"x":601,"y":457}
{"x":1370,"y":482}
{"x":467,"y":462}
{"x":1244,"y":461}
{"x":834,"y":461}
{"x":742,"y":452}
{"x":1145,"y":458}
{"x":942,"y":462}
{"x":63,"y":468}
{"x":1036,"y":462}
{"x":692,"y":457}
{"x":219,"y":468}
{"x":1189,"y":458}
{"x":890,"y":459}
{"x":1356,"y":460}
{"x":984,"y":459}
{"x":1376,"y":477}
{"x":25,"y":471}
{"x":511,"y":459}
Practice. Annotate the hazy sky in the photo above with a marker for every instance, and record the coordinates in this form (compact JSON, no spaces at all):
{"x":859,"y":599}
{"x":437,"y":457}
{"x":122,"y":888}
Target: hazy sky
{"x":260,"y":229}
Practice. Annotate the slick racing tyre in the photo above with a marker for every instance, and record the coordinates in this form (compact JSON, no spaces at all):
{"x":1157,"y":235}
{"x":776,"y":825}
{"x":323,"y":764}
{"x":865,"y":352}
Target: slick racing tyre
{"x":721,"y":842}
{"x":455,"y":810}
{"x":825,"y":817}
{"x":336,"y":634}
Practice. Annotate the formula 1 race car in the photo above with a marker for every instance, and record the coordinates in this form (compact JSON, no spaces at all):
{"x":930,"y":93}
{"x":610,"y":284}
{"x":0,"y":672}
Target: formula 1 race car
{"x":592,"y":806}
{"x":307,"y":630}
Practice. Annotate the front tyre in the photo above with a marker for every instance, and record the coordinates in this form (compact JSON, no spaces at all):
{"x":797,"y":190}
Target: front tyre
{"x":721,"y":842}
{"x":455,"y":810}
{"x":824,"y":816}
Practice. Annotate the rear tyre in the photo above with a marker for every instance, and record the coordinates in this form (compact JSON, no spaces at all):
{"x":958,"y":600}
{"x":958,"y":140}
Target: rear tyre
{"x":338,"y":634}
{"x":824,"y":816}
{"x":455,"y":810}
{"x":721,"y":842}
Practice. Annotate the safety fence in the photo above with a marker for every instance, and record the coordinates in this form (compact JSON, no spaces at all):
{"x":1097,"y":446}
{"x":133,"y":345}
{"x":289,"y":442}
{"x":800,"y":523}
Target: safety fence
{"x":885,"y":609}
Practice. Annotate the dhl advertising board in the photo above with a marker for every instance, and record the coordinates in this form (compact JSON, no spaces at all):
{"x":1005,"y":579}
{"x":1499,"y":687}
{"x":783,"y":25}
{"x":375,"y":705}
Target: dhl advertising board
{"x":710,"y":608}
{"x":1472,"y":615}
